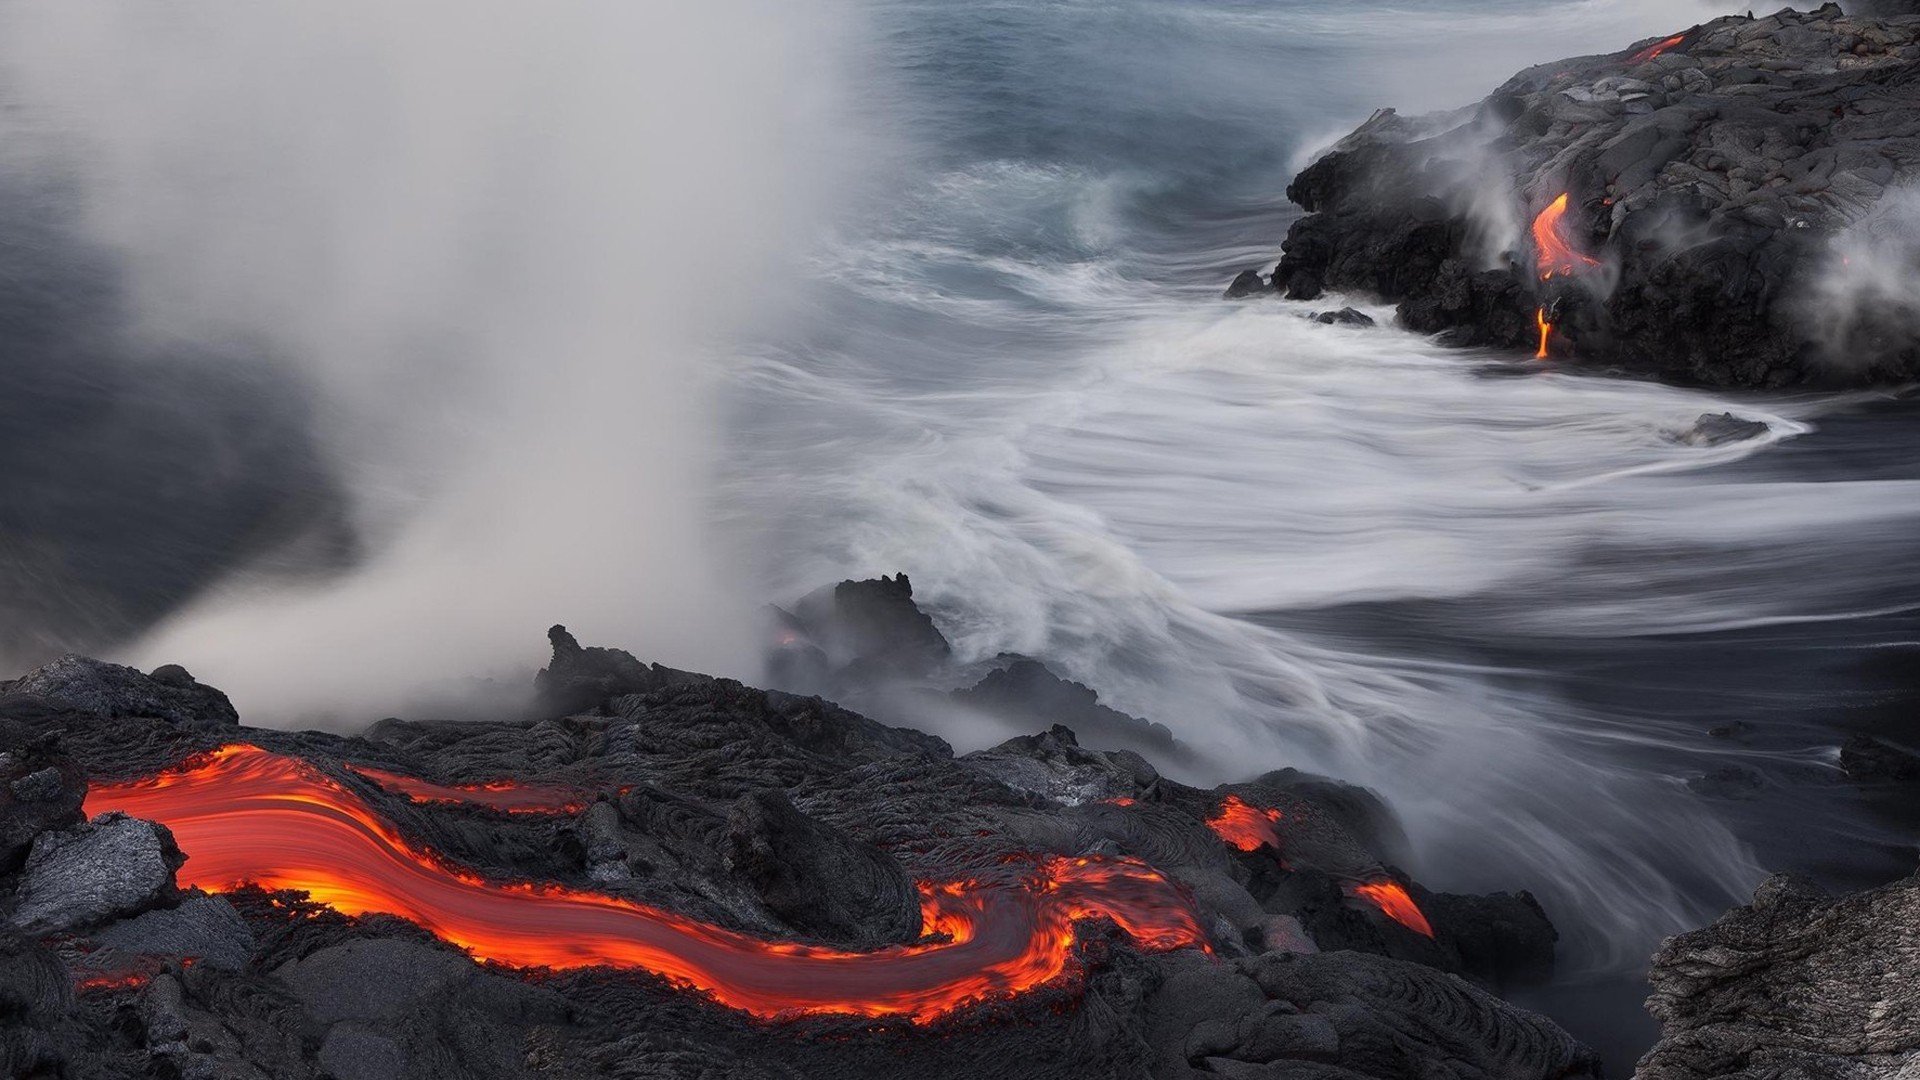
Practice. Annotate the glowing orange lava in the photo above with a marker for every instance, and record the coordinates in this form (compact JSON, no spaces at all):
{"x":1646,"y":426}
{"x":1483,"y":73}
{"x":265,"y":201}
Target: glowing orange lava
{"x":1555,"y":254}
{"x":1244,"y":826}
{"x":244,"y":815}
{"x":504,"y":795}
{"x":1655,"y":49}
{"x":94,"y":982}
{"x":1546,"y":332}
{"x":1392,"y":899}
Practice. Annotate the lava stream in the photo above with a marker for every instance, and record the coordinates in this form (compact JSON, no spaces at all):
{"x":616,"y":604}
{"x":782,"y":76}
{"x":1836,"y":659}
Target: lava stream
{"x":1546,"y":332}
{"x":1392,"y":898}
{"x":244,"y":815}
{"x":1555,"y":253}
{"x":505,"y":795}
{"x":1655,"y":49}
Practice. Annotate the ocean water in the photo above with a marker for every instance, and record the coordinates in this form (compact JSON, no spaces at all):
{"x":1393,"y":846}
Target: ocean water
{"x":1502,"y":594}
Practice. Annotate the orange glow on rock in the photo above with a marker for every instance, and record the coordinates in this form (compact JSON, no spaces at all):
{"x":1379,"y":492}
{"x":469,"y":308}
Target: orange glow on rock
{"x":1392,"y":899}
{"x":505,"y":795}
{"x":95,"y":982}
{"x":1555,"y":254}
{"x":1546,"y":332}
{"x":245,"y":815}
{"x":1655,"y":49}
{"x":1244,"y":826}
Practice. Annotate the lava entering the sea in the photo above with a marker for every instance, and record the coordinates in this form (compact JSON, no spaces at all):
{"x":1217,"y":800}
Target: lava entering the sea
{"x":1244,"y":826}
{"x":1555,"y":255}
{"x":245,"y":815}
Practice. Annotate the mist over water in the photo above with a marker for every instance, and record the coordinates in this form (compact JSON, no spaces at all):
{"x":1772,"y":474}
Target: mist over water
{"x":1348,"y":551}
{"x":634,"y":320}
{"x":506,"y":245}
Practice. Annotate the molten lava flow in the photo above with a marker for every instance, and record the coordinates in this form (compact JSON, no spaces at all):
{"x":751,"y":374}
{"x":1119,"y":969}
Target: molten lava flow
{"x":505,"y":795}
{"x":1392,"y":899}
{"x":244,"y":815}
{"x":1244,"y":826}
{"x":1546,"y":332}
{"x":94,"y":982}
{"x":1655,"y":49}
{"x":1555,"y":254}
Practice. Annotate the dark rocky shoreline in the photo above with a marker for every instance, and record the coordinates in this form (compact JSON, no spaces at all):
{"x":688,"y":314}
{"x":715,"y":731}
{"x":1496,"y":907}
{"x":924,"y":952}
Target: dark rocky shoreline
{"x":792,"y":819}
{"x":780,"y":816}
{"x":1742,"y":188}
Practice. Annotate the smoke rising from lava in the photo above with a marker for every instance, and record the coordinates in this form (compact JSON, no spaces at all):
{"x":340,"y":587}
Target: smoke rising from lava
{"x":498,"y":239}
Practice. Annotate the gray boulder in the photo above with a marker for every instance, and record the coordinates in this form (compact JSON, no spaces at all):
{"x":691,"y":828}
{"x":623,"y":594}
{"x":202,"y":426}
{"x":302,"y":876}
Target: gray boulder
{"x":113,"y":867}
{"x":115,"y":690}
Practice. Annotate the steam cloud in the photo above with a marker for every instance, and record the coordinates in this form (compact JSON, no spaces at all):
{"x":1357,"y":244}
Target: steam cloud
{"x":498,"y":239}
{"x":1863,"y":301}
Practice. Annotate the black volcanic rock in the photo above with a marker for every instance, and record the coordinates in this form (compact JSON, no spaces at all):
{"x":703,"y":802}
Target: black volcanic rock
{"x":818,"y":880}
{"x":685,"y":792}
{"x":1027,"y":693}
{"x":108,"y":868}
{"x":94,"y":686}
{"x":1867,"y":759}
{"x":579,"y":678}
{"x":871,"y":630}
{"x":1288,"y":1015}
{"x":1797,"y":984}
{"x":206,"y":928}
{"x":1344,"y":317}
{"x":1719,"y":429}
{"x":1053,"y":765}
{"x":41,"y":789}
{"x":1247,"y":283}
{"x":1716,"y":175}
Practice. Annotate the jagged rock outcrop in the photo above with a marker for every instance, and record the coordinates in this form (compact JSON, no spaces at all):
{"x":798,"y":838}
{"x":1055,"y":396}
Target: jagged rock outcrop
{"x":1740,"y":206}
{"x":1026,"y":693}
{"x":1796,"y":984}
{"x":868,"y":630}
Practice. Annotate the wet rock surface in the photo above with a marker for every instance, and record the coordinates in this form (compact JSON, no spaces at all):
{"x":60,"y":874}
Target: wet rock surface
{"x":1739,"y":201}
{"x":1797,"y":984}
{"x":782,"y":817}
{"x":1720,"y":429}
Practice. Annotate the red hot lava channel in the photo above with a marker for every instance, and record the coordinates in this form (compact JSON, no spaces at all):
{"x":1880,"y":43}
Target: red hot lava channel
{"x":245,"y":816}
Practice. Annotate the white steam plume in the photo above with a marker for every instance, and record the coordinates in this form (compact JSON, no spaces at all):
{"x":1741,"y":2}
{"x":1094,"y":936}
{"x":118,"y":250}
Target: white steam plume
{"x":1863,"y":303}
{"x":505,"y":241}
